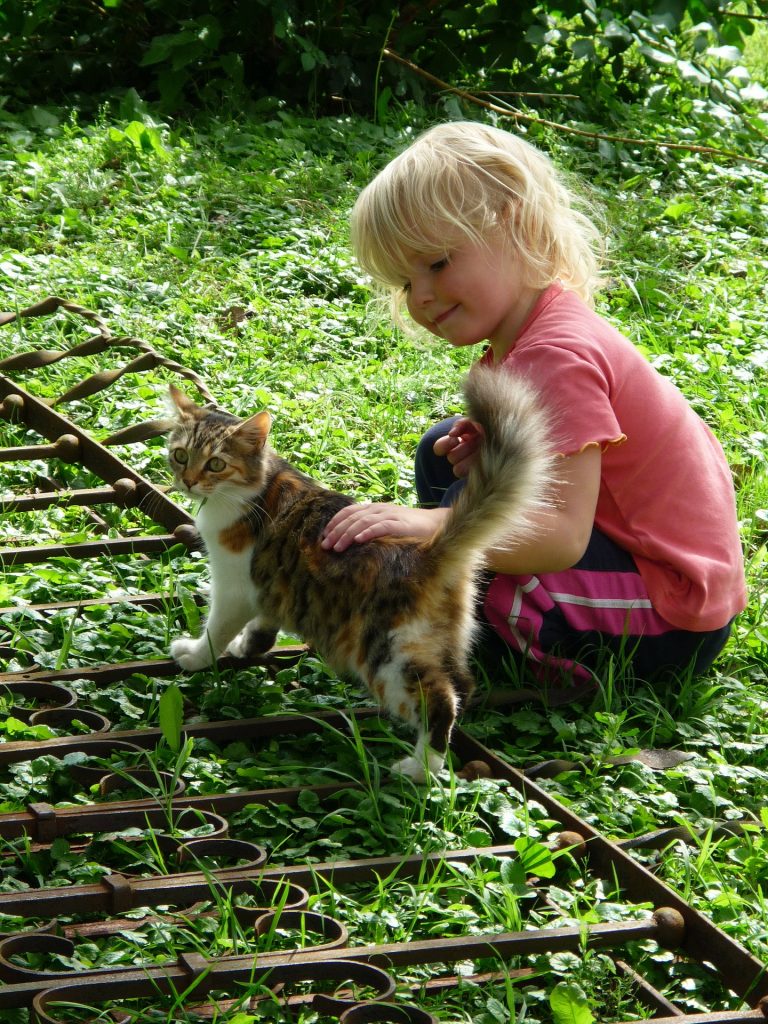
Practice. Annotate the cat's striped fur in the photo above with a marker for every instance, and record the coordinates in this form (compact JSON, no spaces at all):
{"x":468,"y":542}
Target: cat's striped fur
{"x":397,"y":612}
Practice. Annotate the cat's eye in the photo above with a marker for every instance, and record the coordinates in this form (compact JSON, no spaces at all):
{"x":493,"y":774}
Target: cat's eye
{"x":216,"y":465}
{"x":180,"y":455}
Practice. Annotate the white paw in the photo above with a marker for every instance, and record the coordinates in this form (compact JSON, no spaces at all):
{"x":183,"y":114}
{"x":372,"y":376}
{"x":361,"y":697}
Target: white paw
{"x":417,"y":768}
{"x":239,"y":646}
{"x":191,"y":654}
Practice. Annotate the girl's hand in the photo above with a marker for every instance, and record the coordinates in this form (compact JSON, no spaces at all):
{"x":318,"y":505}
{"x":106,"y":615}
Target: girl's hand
{"x":460,"y":445}
{"x":356,"y":524}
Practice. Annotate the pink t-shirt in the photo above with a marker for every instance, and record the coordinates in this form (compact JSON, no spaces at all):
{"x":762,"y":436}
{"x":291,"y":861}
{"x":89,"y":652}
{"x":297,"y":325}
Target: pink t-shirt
{"x":666,"y":493}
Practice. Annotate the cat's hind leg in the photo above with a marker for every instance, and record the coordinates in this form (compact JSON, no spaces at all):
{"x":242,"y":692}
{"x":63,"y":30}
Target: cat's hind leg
{"x":429,"y":698}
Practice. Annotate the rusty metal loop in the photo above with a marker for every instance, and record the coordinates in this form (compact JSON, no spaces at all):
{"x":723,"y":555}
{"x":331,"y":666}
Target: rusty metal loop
{"x":50,"y":927}
{"x":65,"y":717}
{"x":53,"y":695}
{"x":156,"y":783}
{"x":334,"y":933}
{"x":271,"y":892}
{"x":91,"y":775}
{"x":189,"y":818}
{"x":170,"y":844}
{"x":239,"y":852}
{"x":32,"y":942}
{"x":150,"y":983}
{"x":386,"y":1013}
{"x":350,"y":970}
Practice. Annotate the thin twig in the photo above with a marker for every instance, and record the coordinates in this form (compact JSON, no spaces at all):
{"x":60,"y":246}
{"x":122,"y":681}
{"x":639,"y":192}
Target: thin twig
{"x":534,"y":95}
{"x":568,"y":129}
{"x":748,"y":17}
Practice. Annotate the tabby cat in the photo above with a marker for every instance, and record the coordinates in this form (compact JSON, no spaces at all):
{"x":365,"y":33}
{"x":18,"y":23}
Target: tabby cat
{"x":397,"y":612}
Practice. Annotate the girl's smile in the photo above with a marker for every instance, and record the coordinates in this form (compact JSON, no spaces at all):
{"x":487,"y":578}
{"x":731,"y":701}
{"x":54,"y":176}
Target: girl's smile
{"x":444,"y":316}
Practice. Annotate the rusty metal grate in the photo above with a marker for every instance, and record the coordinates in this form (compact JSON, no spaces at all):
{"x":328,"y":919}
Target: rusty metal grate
{"x":338,"y":977}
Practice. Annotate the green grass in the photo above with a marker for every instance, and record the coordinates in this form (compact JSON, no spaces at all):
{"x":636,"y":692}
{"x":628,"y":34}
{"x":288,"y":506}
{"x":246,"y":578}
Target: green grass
{"x":167,"y":234}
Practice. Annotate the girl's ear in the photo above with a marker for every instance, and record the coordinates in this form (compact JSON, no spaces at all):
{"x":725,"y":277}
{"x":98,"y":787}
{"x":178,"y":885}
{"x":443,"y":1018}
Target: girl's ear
{"x":181,"y":403}
{"x":256,"y":429}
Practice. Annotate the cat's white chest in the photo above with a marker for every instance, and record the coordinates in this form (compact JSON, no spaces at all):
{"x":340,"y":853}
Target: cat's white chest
{"x":229,"y":542}
{"x":217,"y":516}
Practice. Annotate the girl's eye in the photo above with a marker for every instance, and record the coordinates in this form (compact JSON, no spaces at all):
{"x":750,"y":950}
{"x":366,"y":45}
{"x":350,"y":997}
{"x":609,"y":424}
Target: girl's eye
{"x":439,"y":264}
{"x":407,"y":287}
{"x":215,"y":464}
{"x":180,"y":455}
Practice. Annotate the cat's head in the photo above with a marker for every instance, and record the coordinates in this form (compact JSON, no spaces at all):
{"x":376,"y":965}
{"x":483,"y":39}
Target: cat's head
{"x":211,"y":451}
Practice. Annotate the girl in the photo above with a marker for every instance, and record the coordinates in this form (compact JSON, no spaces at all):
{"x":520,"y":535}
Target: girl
{"x":640,"y":554}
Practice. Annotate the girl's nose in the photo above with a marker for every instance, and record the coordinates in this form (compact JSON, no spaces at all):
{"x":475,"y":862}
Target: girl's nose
{"x":421,"y":291}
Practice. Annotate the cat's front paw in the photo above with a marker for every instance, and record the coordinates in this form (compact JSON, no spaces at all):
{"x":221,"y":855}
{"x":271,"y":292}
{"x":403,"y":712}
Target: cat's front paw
{"x":251,"y":642}
{"x":191,"y":654}
{"x":417,"y":768}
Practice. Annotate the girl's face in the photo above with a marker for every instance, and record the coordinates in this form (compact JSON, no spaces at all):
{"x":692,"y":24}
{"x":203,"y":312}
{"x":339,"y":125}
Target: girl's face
{"x":477,"y":293}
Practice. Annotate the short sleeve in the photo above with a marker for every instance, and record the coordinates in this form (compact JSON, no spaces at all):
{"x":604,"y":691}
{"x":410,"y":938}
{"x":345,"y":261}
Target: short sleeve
{"x":576,"y":393}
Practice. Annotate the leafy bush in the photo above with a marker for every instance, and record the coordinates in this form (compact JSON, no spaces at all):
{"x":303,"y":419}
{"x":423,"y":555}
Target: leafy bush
{"x":329,"y":55}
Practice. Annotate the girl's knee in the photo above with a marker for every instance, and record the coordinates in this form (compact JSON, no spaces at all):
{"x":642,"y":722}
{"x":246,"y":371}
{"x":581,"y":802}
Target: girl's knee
{"x":434,"y":473}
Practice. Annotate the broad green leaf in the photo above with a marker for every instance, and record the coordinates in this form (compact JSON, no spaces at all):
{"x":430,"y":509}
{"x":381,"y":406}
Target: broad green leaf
{"x":171,"y":712}
{"x":569,"y":1004}
{"x":535,"y":857}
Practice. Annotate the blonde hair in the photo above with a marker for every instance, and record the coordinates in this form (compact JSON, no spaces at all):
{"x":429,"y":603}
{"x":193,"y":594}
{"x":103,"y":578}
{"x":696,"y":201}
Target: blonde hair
{"x":461,"y":182}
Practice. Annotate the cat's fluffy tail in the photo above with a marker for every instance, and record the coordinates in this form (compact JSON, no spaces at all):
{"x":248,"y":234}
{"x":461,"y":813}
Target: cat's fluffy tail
{"x":512,"y":474}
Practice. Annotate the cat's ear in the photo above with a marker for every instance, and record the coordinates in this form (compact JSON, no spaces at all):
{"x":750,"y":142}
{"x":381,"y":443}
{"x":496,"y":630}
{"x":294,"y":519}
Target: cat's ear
{"x":256,"y":429}
{"x":180,"y":403}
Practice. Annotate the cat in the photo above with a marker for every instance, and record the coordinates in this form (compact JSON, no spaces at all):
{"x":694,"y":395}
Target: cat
{"x":397,"y":612}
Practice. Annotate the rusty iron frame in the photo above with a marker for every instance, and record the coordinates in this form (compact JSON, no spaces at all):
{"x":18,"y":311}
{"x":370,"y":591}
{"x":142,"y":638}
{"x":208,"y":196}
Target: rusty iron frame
{"x":672,"y":923}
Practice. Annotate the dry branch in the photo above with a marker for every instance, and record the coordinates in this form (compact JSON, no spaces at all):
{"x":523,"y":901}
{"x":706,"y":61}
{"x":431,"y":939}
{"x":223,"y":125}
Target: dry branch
{"x":519,"y":115}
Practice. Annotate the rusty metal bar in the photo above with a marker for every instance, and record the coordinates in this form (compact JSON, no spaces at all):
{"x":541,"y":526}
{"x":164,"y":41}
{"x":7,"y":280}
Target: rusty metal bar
{"x":647,"y":994}
{"x":221,"y":731}
{"x":189,"y":887}
{"x":89,"y":549}
{"x":503,"y":946}
{"x":65,"y":498}
{"x":152,"y":602}
{"x":61,"y":822}
{"x":703,"y":941}
{"x":42,"y":419}
{"x":160,"y":668}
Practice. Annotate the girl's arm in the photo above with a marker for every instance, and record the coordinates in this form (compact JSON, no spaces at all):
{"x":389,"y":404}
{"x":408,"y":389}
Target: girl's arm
{"x":560,"y":533}
{"x":356,"y":524}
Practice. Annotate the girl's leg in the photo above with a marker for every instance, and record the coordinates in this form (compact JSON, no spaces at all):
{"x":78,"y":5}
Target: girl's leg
{"x":435,"y":483}
{"x":564,"y":622}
